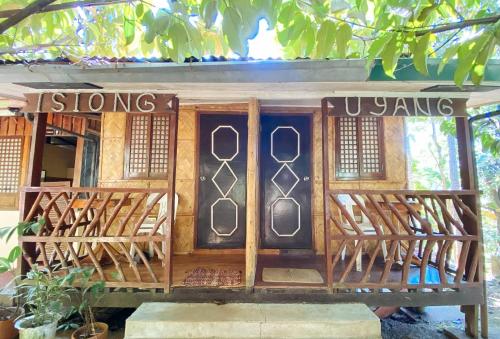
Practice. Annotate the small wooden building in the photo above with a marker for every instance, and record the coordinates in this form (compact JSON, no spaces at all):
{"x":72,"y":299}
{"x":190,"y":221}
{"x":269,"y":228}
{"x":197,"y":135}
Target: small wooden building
{"x":244,"y":181}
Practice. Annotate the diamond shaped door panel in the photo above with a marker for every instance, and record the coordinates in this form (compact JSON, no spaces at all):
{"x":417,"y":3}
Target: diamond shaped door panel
{"x":285,"y":186}
{"x":222,"y":181}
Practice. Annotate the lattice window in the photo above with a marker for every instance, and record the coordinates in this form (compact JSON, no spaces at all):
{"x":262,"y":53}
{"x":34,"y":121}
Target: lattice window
{"x":359,"y":148}
{"x":10,"y":164}
{"x":147,"y":145}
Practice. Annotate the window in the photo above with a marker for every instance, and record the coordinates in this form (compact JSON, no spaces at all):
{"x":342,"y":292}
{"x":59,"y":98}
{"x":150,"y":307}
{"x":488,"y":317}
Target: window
{"x":10,"y":164}
{"x":147,"y":140}
{"x":359,"y":148}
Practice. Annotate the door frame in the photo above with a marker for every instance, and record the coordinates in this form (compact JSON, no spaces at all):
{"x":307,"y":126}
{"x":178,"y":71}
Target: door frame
{"x":293,"y":112}
{"x":199,"y":112}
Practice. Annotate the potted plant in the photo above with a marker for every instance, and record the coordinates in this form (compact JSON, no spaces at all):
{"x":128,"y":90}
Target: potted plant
{"x":46,"y":300}
{"x":8,"y":314}
{"x":88,"y":292}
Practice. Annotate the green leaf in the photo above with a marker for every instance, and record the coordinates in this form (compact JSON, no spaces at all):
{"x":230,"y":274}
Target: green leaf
{"x":161,"y":23}
{"x":325,"y":38}
{"x":128,"y":30}
{"x":232,"y":26}
{"x":208,"y":11}
{"x":179,"y":37}
{"x":139,"y":9}
{"x":477,"y":72}
{"x":391,"y":53}
{"x":448,"y":54}
{"x":5,"y":265}
{"x":377,"y":47}
{"x":344,"y":35}
{"x":467,"y":53}
{"x":148,"y":19}
{"x":14,"y":254}
{"x":420,"y":54}
{"x":150,"y":35}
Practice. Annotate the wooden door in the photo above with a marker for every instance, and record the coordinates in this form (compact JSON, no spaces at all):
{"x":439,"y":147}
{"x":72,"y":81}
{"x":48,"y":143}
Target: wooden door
{"x":222,"y":170}
{"x":285,"y":182}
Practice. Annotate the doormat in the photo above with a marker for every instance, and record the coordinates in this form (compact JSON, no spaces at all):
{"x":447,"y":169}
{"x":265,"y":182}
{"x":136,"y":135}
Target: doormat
{"x":212,"y":277}
{"x":292,"y":275}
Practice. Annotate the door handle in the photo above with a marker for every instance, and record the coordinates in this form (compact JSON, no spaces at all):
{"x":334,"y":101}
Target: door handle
{"x":203,"y":178}
{"x":306,"y":178}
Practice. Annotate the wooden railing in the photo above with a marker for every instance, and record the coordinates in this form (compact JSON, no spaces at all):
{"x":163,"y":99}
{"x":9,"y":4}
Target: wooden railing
{"x":431,"y":239}
{"x":102,"y":228}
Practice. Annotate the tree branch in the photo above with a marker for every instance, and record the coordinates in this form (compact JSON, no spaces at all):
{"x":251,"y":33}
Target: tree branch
{"x":458,"y":25}
{"x":32,"y":8}
{"x":66,"y":5}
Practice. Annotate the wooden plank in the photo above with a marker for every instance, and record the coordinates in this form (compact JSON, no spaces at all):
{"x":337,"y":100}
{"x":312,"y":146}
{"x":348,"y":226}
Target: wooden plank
{"x":253,"y":203}
{"x":326,"y":195}
{"x":391,"y":106}
{"x":60,"y":102}
{"x":78,"y":162}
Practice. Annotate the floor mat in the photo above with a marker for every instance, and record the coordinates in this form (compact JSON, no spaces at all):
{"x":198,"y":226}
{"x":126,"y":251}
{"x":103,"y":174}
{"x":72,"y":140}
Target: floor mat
{"x":291,"y":275}
{"x":212,"y":277}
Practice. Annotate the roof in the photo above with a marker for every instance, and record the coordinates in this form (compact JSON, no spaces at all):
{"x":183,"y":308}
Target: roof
{"x":279,"y":82}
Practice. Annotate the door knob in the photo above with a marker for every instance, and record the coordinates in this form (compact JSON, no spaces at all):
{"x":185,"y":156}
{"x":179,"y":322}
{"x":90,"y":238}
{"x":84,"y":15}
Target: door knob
{"x":306,"y":178}
{"x":203,"y":178}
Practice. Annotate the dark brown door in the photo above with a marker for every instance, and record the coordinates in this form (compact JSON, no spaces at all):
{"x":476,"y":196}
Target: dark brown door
{"x":285,"y":182}
{"x":222,"y":181}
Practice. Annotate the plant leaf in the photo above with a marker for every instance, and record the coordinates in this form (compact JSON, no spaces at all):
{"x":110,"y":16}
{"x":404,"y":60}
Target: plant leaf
{"x":420,"y":54}
{"x":325,"y":38}
{"x":343,"y":36}
{"x":208,"y":11}
{"x":14,"y":254}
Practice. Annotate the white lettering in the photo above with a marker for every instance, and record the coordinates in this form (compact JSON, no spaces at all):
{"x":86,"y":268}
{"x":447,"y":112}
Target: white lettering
{"x":91,"y":101}
{"x":77,"y":102}
{"x":347,"y":107}
{"x":419,"y":109}
{"x":118,"y":98}
{"x":147,"y":103}
{"x":384,"y":105}
{"x":448,"y":108}
{"x":398,"y":106}
{"x":61,"y":106}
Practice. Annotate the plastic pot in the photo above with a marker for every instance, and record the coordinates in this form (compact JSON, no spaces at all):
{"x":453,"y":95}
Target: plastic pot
{"x":45,"y":331}
{"x":7,"y":317}
{"x":102,"y":328}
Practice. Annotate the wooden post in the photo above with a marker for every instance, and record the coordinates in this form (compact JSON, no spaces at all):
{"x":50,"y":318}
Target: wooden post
{"x":77,"y":168}
{"x":252,"y":235}
{"x":33,"y":176}
{"x":468,"y":179}
{"x":172,"y":156}
{"x":326,"y":191}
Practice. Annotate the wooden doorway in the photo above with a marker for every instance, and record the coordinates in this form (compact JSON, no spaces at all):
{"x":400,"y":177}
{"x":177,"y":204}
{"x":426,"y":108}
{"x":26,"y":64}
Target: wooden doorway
{"x":222,"y":170}
{"x":285,"y":184}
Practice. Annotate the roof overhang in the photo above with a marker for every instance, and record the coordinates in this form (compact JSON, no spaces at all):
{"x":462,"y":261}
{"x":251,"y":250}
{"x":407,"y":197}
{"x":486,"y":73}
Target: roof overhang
{"x":274,"y":82}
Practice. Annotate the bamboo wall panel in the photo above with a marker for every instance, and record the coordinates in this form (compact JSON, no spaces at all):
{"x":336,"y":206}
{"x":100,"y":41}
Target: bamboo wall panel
{"x":112,"y":170}
{"x":14,"y":126}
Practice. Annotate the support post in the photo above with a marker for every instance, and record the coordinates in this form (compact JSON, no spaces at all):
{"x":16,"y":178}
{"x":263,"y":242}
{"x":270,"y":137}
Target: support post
{"x":33,"y":177}
{"x":172,"y":156}
{"x":465,"y":145}
{"x":252,"y":217}
{"x":326,"y":193}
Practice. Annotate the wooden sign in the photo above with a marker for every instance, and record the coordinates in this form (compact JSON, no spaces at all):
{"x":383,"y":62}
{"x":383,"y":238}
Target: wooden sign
{"x":93,"y":102}
{"x":395,"y":106}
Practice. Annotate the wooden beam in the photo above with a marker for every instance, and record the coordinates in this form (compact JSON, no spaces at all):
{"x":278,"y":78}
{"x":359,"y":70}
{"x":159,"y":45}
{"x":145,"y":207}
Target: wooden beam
{"x":33,"y":176}
{"x":172,"y":156}
{"x":326,"y":192}
{"x":252,"y":236}
{"x":465,"y":157}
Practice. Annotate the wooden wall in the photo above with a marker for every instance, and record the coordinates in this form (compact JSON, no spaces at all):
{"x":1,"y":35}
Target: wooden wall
{"x":15,"y":126}
{"x":112,"y":160}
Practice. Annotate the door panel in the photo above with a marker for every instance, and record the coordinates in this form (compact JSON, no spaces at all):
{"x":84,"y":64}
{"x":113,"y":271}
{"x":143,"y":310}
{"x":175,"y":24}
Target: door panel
{"x":222,"y":181}
{"x":285,"y":182}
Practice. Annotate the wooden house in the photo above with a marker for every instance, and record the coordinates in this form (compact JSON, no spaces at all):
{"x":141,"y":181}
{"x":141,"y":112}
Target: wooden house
{"x":246,"y":181}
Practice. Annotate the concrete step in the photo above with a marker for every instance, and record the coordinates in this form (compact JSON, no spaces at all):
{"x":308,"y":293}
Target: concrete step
{"x":190,"y":320}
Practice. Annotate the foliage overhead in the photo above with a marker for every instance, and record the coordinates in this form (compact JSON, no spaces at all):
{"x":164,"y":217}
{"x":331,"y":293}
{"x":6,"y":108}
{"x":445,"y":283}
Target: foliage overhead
{"x":468,"y":30}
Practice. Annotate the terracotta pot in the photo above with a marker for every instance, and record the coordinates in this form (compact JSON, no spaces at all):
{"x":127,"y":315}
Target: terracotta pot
{"x":7,"y":329}
{"x":102,"y":327}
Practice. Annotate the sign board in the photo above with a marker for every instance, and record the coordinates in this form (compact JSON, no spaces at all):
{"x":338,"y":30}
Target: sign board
{"x":395,"y":106}
{"x":93,"y":102}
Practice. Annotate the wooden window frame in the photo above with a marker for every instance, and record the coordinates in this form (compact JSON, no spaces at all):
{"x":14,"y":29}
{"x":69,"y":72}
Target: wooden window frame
{"x":148,"y":175}
{"x":361,"y":174}
{"x":21,"y":153}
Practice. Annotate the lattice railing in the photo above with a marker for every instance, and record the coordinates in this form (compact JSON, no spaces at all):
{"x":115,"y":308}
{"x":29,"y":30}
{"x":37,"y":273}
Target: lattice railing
{"x":404,"y":239}
{"x":123,"y":233}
